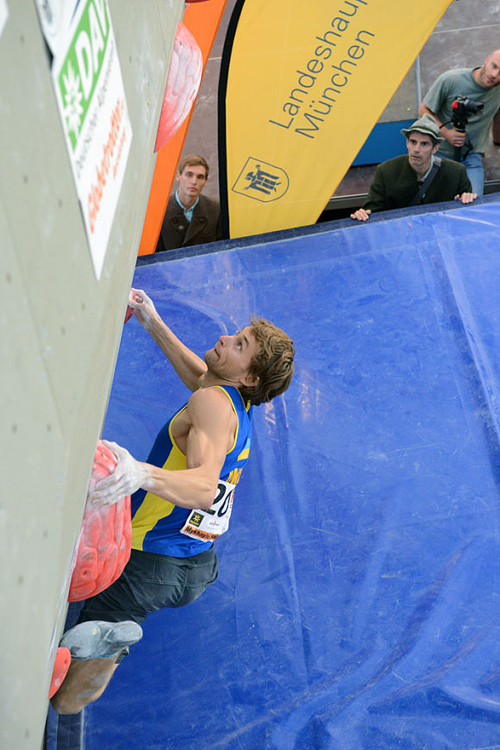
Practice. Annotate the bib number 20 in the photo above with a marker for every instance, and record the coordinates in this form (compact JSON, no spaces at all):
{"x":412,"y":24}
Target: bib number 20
{"x":207,"y":525}
{"x":223,"y":500}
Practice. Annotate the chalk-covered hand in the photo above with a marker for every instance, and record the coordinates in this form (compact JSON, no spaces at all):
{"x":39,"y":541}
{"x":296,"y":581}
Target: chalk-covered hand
{"x":144,"y":309}
{"x":129,"y":475}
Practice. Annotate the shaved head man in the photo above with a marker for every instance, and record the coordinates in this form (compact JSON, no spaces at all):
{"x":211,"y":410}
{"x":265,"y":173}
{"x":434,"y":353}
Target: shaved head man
{"x":478,"y":85}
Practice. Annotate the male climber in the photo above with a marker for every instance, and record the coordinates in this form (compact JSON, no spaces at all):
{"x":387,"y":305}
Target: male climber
{"x":181,"y":497}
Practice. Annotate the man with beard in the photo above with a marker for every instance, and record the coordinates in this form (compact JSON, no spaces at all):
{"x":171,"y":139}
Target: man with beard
{"x":478,"y":85}
{"x":181,"y":497}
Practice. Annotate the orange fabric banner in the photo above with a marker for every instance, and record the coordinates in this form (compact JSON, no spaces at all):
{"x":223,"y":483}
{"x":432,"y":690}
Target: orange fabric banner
{"x":203,"y":20}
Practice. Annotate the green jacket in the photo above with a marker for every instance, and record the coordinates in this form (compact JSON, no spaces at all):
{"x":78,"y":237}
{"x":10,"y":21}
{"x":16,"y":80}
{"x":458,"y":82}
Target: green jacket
{"x":395,"y":183}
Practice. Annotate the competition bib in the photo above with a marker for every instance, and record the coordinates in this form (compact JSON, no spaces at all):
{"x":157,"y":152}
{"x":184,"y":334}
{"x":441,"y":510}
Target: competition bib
{"x":207,"y":525}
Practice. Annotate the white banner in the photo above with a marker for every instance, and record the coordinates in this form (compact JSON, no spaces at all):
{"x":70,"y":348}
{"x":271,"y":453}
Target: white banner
{"x":4,"y":12}
{"x":55,"y":18}
{"x":91,"y":98}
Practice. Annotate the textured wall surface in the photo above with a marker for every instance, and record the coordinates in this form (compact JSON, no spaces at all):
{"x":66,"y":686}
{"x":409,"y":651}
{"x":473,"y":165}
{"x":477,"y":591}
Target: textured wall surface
{"x":61,"y":330}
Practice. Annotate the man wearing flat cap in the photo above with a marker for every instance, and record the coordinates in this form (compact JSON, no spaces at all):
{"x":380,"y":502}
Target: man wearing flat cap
{"x":421,"y":177}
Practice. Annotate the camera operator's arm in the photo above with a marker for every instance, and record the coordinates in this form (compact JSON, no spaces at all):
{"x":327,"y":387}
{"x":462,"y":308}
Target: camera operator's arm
{"x":453,"y":137}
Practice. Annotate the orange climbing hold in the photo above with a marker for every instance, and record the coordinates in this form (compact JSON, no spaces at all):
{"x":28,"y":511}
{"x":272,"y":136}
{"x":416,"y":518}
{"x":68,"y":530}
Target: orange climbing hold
{"x":61,"y":666}
{"x":103,"y":548}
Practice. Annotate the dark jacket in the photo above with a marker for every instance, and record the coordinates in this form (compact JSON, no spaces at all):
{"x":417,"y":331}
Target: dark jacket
{"x":395,"y":184}
{"x":204,"y":226}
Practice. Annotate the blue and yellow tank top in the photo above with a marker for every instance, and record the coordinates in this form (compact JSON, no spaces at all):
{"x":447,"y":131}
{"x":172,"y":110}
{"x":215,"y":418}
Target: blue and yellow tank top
{"x":162,"y":527}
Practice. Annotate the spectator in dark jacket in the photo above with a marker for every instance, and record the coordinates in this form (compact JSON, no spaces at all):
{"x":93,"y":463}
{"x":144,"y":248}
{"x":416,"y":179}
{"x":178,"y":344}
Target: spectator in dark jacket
{"x":421,"y":177}
{"x":191,"y":218}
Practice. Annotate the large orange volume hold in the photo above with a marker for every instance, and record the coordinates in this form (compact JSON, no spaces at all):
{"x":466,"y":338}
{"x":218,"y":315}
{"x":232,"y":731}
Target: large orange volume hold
{"x":103,"y":548}
{"x":183,"y":83}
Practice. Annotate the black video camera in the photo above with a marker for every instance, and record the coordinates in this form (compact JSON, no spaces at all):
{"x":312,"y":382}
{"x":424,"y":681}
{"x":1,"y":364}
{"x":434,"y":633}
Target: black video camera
{"x":463,"y":108}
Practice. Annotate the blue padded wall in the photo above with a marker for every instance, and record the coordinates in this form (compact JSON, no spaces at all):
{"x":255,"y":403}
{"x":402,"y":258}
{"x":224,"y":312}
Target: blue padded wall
{"x":358,"y":600}
{"x":384,"y":142}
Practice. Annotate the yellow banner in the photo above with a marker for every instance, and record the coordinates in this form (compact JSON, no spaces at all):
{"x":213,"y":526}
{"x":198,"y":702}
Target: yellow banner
{"x":307,"y":81}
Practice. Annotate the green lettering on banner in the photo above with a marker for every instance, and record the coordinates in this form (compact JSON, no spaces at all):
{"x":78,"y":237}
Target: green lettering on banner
{"x":82,"y":66}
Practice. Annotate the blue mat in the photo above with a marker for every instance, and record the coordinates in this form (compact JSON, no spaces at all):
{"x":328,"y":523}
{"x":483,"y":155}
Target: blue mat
{"x":358,"y":600}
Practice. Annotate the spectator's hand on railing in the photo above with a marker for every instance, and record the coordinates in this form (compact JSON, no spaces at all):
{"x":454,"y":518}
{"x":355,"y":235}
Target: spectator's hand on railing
{"x":466,"y":197}
{"x":361,"y":214}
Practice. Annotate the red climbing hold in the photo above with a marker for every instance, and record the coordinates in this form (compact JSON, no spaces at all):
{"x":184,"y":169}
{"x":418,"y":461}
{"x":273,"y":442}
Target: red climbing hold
{"x":103,"y":548}
{"x":61,"y":666}
{"x":130,"y":310}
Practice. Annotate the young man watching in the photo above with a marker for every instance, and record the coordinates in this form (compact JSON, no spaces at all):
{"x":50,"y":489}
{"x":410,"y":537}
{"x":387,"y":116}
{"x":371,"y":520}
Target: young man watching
{"x":191,"y":218}
{"x":181,"y":497}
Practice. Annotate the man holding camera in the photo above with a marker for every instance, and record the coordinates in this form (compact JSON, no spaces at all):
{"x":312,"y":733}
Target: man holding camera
{"x":464,"y":103}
